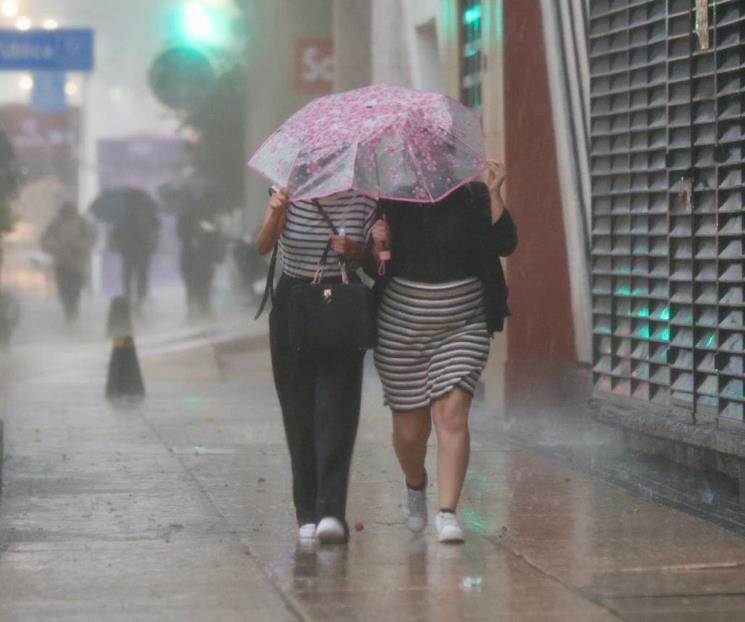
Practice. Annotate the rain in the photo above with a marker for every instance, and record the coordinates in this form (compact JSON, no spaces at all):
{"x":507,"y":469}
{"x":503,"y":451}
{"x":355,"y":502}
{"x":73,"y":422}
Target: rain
{"x":417,"y":310}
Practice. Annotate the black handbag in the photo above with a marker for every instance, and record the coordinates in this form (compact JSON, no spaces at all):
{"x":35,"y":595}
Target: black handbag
{"x":325,"y":315}
{"x":331,"y":315}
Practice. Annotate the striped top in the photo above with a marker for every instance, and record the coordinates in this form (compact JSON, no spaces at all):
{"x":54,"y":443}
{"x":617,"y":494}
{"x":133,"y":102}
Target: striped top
{"x":306,"y":233}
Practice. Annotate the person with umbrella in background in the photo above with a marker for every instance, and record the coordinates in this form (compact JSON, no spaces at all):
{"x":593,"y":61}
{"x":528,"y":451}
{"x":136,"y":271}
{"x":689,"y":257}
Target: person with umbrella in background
{"x":69,"y":239}
{"x":203,"y":247}
{"x":135,"y":239}
{"x":250,"y":264}
{"x":134,"y":234}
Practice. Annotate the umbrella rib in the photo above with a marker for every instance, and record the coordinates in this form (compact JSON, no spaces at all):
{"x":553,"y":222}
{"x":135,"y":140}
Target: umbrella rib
{"x":289,"y":171}
{"x":396,"y":116}
{"x":377,"y":175}
{"x":420,"y":173}
{"x":461,"y":141}
{"x":354,"y":170}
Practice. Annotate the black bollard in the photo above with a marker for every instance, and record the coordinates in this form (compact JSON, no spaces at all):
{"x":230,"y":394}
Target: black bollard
{"x":125,"y":377}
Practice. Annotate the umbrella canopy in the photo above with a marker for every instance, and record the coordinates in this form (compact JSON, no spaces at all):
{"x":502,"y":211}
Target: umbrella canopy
{"x":186,"y":194}
{"x":112,"y":205}
{"x":383,"y":141}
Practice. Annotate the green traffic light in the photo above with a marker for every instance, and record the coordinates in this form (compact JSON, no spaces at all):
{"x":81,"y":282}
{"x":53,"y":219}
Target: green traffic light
{"x":472,"y":15}
{"x":205,"y":21}
{"x":197,"y":22}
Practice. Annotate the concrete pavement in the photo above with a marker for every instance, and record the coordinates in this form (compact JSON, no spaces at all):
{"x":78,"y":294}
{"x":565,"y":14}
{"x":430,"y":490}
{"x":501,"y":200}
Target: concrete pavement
{"x":179,"y":509}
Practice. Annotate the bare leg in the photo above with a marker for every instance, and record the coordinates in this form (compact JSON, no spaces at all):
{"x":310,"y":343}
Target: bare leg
{"x":450,"y":414}
{"x":411,"y":430}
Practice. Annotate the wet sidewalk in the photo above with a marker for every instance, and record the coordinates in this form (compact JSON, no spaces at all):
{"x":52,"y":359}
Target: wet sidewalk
{"x":180,"y":510}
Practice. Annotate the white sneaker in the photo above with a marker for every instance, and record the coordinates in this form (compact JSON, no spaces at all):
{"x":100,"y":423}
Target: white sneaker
{"x":415,"y":507}
{"x":448,"y":529}
{"x":307,"y":531}
{"x":331,"y":531}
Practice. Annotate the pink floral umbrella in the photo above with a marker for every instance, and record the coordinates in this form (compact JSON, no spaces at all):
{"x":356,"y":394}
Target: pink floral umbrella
{"x":383,"y":141}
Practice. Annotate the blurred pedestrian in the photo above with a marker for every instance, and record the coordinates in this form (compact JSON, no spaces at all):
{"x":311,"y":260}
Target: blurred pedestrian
{"x":202,"y":250}
{"x":251,"y":266}
{"x":319,"y":389}
{"x":444,"y":295}
{"x":135,"y":238}
{"x":69,"y":239}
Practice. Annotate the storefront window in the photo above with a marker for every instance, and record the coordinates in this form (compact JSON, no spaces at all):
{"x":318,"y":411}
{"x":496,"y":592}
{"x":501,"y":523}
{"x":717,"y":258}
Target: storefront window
{"x":470,"y":52}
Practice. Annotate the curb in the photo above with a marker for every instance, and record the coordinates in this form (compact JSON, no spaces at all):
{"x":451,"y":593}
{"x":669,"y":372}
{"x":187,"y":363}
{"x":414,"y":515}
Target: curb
{"x":704,"y":445}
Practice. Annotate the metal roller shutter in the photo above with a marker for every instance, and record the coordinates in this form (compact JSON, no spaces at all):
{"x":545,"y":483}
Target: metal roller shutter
{"x":667,"y":185}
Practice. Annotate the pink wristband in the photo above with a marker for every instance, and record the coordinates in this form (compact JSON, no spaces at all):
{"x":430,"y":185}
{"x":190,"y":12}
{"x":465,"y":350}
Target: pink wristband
{"x":383,"y":256}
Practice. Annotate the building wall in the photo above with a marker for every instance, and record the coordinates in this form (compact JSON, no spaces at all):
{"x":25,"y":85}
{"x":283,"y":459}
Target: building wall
{"x":541,"y":335}
{"x":272,"y":93}
{"x":389,"y":50}
{"x":568,"y":70}
{"x":421,"y":34}
{"x":405,"y":45}
{"x":352,"y":31}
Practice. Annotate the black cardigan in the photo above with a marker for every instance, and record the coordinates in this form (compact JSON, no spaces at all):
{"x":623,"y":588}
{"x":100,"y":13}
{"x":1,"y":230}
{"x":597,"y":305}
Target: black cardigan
{"x":468,"y":209}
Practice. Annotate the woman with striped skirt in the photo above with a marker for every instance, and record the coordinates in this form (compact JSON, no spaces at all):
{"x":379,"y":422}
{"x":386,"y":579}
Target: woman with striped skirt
{"x":443,"y":297}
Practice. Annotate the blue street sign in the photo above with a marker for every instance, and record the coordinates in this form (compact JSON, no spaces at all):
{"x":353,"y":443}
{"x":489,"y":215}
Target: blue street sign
{"x":67,"y":49}
{"x":48,"y":94}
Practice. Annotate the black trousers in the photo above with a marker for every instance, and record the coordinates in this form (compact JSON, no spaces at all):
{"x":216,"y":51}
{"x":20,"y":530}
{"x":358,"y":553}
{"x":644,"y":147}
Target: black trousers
{"x":135,"y":268}
{"x":70,"y":283}
{"x":197,"y":274}
{"x":320,"y":393}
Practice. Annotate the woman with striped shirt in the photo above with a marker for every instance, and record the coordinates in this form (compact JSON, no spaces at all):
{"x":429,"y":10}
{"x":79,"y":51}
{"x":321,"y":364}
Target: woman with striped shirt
{"x":319,"y":391}
{"x":444,"y":296}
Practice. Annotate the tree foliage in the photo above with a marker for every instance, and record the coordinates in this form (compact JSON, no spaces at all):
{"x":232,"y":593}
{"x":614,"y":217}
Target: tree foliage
{"x":218,"y":154}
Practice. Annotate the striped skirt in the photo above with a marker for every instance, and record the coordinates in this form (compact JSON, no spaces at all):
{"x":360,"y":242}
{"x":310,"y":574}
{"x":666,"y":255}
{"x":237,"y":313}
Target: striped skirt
{"x":432,"y":337}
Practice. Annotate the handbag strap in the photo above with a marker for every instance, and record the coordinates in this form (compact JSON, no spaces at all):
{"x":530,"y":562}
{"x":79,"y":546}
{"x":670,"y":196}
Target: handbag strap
{"x":325,"y":255}
{"x":325,"y":215}
{"x":269,"y":287}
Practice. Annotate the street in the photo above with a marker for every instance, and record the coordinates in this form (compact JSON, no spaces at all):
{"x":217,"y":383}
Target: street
{"x":180,"y":509}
